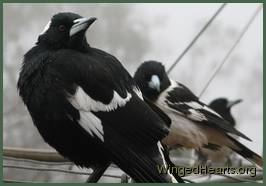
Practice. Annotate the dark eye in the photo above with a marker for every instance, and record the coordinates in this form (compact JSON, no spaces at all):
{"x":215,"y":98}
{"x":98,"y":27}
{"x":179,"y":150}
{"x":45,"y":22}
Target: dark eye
{"x":61,"y":28}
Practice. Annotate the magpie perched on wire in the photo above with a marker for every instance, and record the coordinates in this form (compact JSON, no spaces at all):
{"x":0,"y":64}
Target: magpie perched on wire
{"x":223,"y":156}
{"x":194,"y":124}
{"x":87,"y":106}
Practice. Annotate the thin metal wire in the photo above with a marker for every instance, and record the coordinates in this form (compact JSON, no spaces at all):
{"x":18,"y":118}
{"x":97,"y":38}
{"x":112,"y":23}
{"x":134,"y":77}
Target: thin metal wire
{"x":196,"y":38}
{"x":17,"y":181}
{"x":253,"y":16}
{"x":36,"y":161}
{"x":55,"y":170}
{"x":189,"y":181}
{"x":67,"y":163}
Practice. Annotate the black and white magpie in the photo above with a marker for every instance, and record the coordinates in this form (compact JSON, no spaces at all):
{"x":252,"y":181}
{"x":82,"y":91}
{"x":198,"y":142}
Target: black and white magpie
{"x":194,"y":124}
{"x":222,"y":156}
{"x":87,"y":106}
{"x":223,"y":107}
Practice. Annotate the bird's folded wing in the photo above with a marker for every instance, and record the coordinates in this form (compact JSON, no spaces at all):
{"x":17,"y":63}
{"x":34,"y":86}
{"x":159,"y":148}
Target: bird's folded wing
{"x":180,"y":99}
{"x":112,"y":110}
{"x":158,"y":111}
{"x":105,"y":94}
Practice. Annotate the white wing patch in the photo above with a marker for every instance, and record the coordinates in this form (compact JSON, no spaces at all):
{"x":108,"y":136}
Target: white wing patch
{"x":196,"y":115}
{"x":195,"y":105}
{"x":83,"y":101}
{"x":91,"y":124}
{"x":85,"y":104}
{"x":46,"y":28}
{"x":162,"y":100}
{"x":138,"y":92}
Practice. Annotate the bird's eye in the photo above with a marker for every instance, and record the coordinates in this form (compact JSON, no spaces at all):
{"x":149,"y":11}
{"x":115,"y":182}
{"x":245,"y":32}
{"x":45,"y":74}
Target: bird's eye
{"x":147,"y":77}
{"x":61,"y":28}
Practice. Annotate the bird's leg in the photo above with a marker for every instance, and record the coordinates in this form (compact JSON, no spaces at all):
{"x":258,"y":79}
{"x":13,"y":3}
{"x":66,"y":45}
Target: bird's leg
{"x":209,"y":164}
{"x":229,"y":161}
{"x":97,"y":173}
{"x":202,"y":159}
{"x":125,"y":178}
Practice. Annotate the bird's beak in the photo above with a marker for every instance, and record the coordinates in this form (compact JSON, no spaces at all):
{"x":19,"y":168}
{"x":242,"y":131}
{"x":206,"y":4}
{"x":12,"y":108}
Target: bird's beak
{"x":155,"y":83}
{"x":232,"y":103}
{"x":81,"y":24}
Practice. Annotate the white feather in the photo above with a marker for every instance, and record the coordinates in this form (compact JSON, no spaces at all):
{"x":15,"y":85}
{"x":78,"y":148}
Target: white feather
{"x":86,"y":105}
{"x":196,"y":105}
{"x":181,"y":126}
{"x":46,"y":28}
{"x":83,"y":101}
{"x":138,"y":92}
{"x":160,"y":147}
{"x":162,"y":100}
{"x":91,"y":124}
{"x":196,"y":115}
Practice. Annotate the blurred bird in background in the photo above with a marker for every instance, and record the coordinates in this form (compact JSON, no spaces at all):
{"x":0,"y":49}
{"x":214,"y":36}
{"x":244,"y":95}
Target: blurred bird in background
{"x":194,"y":124}
{"x":224,"y":155}
{"x":223,"y":106}
{"x":87,"y":106}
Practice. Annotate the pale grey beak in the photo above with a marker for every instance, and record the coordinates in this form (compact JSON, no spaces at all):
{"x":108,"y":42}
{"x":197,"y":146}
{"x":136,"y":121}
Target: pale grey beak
{"x":155,"y":82}
{"x":81,"y":24}
{"x":232,"y":103}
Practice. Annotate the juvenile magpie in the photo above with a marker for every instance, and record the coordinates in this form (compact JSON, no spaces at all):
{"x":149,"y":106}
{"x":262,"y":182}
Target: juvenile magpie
{"x":222,"y":156}
{"x":194,"y":124}
{"x":87,"y":106}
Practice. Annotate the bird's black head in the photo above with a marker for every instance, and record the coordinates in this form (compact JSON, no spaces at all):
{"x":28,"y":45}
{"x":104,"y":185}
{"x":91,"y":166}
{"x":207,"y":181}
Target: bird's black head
{"x":151,"y":79}
{"x":223,"y":107}
{"x":65,"y":30}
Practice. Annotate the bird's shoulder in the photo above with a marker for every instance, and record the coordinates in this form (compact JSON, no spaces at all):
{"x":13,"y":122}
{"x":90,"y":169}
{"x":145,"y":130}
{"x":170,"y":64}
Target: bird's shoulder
{"x":98,"y":73}
{"x":106,"y":90}
{"x":177,"y":92}
{"x":180,"y":99}
{"x":34,"y":63}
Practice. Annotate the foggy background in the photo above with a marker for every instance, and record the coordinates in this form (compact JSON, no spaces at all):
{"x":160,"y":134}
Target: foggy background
{"x":138,"y":32}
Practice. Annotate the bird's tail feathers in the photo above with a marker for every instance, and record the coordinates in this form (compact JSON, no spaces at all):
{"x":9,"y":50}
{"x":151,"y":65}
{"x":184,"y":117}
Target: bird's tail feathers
{"x":245,"y":152}
{"x":141,"y":165}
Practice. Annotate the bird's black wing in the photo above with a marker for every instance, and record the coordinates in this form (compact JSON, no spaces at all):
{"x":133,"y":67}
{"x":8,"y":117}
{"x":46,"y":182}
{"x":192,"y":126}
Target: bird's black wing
{"x":111,"y":110}
{"x":180,"y":99}
{"x":156,"y":109}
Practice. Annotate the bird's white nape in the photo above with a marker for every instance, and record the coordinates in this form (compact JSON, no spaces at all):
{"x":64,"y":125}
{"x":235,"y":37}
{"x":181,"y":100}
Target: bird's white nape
{"x":46,"y":28}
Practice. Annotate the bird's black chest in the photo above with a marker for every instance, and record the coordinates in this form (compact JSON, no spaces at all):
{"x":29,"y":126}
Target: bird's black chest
{"x":42,"y":87}
{"x":44,"y":90}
